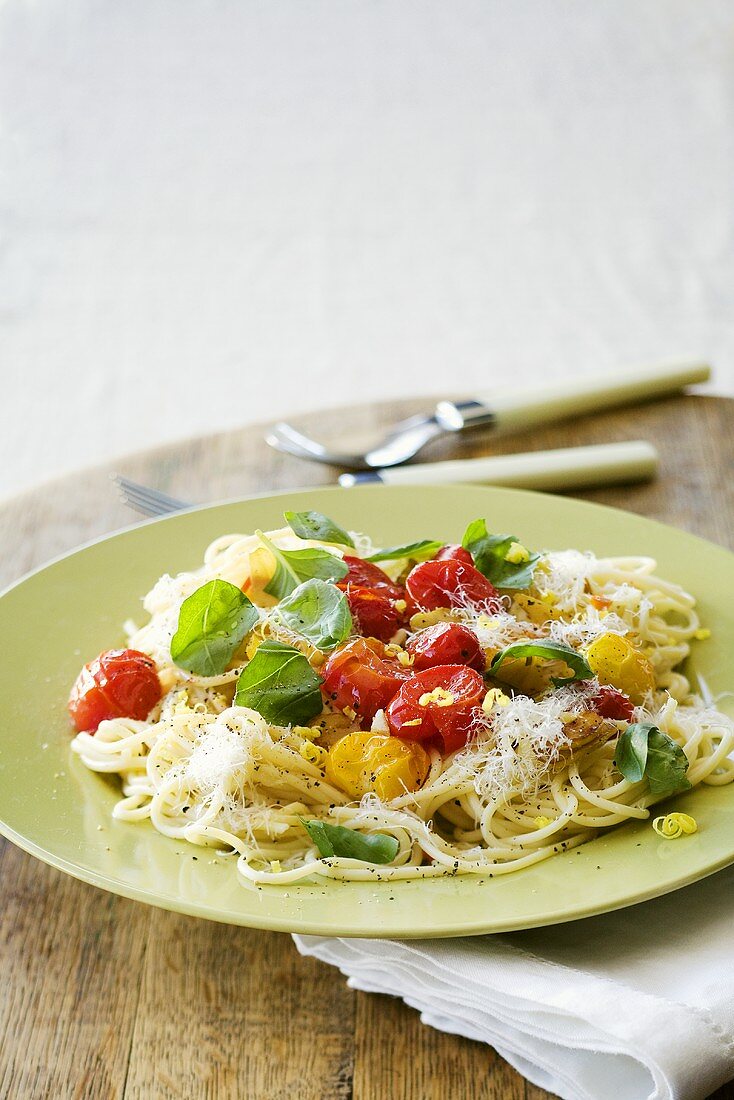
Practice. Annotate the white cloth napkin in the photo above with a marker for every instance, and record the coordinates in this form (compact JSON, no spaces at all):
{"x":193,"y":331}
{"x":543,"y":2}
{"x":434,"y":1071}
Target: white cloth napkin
{"x":633,"y":1005}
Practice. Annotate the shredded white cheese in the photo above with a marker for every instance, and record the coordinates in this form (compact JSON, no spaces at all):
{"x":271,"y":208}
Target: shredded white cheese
{"x":522,"y":744}
{"x":563,"y":574}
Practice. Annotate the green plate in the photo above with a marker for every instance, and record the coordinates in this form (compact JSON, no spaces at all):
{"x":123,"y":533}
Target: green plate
{"x":64,"y":614}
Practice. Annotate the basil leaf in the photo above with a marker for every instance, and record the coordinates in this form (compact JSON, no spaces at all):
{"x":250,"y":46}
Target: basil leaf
{"x":667,"y":764}
{"x":418,"y":551}
{"x":490,"y":557}
{"x":317,"y":610}
{"x":630,"y":757}
{"x":292,"y":567}
{"x":549,"y":651}
{"x":644,"y":750}
{"x":280,"y":684}
{"x":335,"y":840}
{"x":212,"y":623}
{"x":315,"y":525}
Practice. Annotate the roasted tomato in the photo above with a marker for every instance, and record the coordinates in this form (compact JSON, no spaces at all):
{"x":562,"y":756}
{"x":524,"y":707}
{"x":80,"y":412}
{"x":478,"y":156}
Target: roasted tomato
{"x":450,"y":583}
{"x":618,"y":663}
{"x":368,"y":575}
{"x":361,"y":676}
{"x":446,"y":644}
{"x":441,"y":702}
{"x":454,"y":552}
{"x":611,"y":703}
{"x":120,"y":683}
{"x":389,"y":766}
{"x":373,"y":611}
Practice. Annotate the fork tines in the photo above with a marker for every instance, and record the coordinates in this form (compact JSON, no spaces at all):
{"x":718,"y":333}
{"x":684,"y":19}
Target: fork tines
{"x":147,"y":501}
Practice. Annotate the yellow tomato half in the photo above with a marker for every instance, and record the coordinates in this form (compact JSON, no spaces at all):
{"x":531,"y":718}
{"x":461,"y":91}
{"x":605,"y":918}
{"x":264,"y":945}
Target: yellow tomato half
{"x":616,"y":661}
{"x":363,"y":762}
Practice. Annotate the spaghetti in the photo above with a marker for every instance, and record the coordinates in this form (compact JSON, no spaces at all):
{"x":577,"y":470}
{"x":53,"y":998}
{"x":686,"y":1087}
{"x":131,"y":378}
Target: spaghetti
{"x":538,"y":767}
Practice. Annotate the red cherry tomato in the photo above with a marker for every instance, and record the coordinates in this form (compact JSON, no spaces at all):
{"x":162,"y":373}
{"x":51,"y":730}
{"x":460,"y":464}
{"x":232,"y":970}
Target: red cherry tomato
{"x":450,"y":583}
{"x":368,"y":575}
{"x":121,"y":683}
{"x":456,"y":693}
{"x":611,"y":703}
{"x":373,"y":611}
{"x":361,"y":676}
{"x":446,"y":644}
{"x":454,"y":552}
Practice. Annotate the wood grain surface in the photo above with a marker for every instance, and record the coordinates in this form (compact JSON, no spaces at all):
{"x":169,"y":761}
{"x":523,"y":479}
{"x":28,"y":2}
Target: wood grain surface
{"x":102,"y":997}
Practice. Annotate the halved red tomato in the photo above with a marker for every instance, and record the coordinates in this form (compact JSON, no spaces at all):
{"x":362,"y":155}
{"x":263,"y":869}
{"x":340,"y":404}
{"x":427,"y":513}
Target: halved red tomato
{"x":442,"y":702}
{"x":120,"y":683}
{"x":368,"y":575}
{"x":446,"y":644}
{"x":451,"y":583}
{"x":454,"y":552}
{"x":373,"y":611}
{"x":609,"y":702}
{"x":360,"y":675}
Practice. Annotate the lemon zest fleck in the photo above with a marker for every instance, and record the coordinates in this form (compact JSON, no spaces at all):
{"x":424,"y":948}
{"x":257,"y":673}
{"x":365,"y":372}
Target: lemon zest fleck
{"x":181,"y":704}
{"x":671,"y":826}
{"x":439,"y":697}
{"x":495,"y":697}
{"x":541,"y":821}
{"x":517,"y":553}
{"x":315,"y":754}
{"x":702,"y":634}
{"x":309,"y":732}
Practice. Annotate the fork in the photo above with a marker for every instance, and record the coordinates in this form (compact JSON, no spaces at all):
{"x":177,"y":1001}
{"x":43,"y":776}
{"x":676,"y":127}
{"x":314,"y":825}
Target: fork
{"x":510,"y":409}
{"x":565,"y":468}
{"x":146,"y":500}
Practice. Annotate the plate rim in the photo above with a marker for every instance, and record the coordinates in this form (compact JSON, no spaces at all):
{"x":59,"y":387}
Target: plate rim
{"x":387,"y":928}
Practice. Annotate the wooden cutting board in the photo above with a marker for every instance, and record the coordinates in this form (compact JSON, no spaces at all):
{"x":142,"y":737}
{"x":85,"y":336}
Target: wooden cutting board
{"x":102,"y":997}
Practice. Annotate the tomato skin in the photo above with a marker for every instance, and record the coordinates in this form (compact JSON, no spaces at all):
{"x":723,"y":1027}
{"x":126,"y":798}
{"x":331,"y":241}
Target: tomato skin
{"x":609,"y":702}
{"x":120,"y":683}
{"x":454,"y":552}
{"x":368,"y":575}
{"x":450,"y":583}
{"x":373,"y":611}
{"x":361,"y":676}
{"x":450,"y":724}
{"x":446,"y":644}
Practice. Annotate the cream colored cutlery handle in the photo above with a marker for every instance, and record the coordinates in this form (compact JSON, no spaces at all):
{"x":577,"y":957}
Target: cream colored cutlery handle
{"x":527,"y":406}
{"x":567,"y":468}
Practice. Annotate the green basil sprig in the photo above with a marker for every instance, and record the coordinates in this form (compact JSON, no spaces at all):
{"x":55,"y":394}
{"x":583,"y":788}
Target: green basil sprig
{"x":292,"y":567}
{"x":549,"y":651}
{"x":315,"y":525}
{"x":280,"y":684}
{"x":490,"y":557}
{"x":212,"y":624}
{"x":418,"y":551}
{"x":335,"y":840}
{"x":318,"y":611}
{"x":644,"y":750}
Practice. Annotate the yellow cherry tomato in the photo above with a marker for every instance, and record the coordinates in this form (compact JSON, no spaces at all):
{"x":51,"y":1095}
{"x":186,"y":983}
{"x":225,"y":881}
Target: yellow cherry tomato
{"x":616,"y":661}
{"x":363,"y":762}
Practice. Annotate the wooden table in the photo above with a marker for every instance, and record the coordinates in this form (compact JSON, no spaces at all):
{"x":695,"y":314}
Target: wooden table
{"x":103,"y":997}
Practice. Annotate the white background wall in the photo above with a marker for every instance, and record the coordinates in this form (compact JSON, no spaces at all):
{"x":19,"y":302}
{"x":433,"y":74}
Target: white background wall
{"x":217,"y":211}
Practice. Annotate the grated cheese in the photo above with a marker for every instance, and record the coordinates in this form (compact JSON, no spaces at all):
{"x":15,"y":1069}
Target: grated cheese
{"x":585,"y":627}
{"x":563,"y":574}
{"x":523,"y":744}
